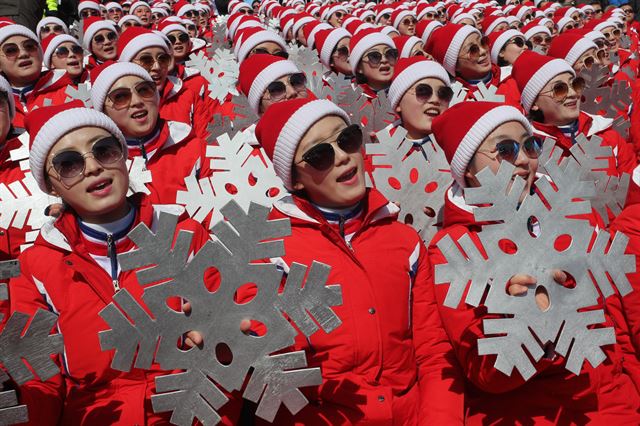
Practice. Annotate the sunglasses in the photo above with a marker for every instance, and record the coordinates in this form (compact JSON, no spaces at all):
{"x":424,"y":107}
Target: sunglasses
{"x":263,"y":51}
{"x":424,"y":92}
{"x":527,"y":17}
{"x":322,"y":156}
{"x":409,"y":21}
{"x":374,"y":59}
{"x":628,"y":11}
{"x":54,"y":29}
{"x":386,"y":16}
{"x":192,"y":28}
{"x":474,"y":50}
{"x":601,"y":43}
{"x":63,"y":52}
{"x":89,"y":12}
{"x":12,"y":50}
{"x":157,"y":16}
{"x":568,"y":27}
{"x":338,"y":15}
{"x":560,"y":90}
{"x":278,"y":90}
{"x":190,"y":14}
{"x":589,"y":61}
{"x":369,"y":19}
{"x":540,"y":39}
{"x":129,"y":24}
{"x":246,"y":11}
{"x":148,"y":61}
{"x":610,"y":34}
{"x":69,"y":164}
{"x":114,"y":10}
{"x":121,"y":98}
{"x":518,"y":41}
{"x":508,"y":150}
{"x":342,"y":51}
{"x":100,"y":39}
{"x":182,"y":38}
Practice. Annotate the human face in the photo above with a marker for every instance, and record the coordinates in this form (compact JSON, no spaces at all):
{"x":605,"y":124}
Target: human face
{"x":577,"y":18}
{"x":602,"y":53}
{"x":586,"y":60}
{"x":500,"y":27}
{"x":612,"y":34}
{"x":89,"y":12}
{"x":541,"y":42}
{"x":468,"y":21}
{"x":98,"y":194}
{"x":384,"y":19}
{"x":129,"y":23}
{"x":473,"y":60}
{"x":416,"y":112}
{"x":335,"y":20}
{"x":378,"y":74}
{"x":487,"y":155}
{"x":597,"y":10}
{"x":21,"y":60}
{"x":340,"y":57}
{"x":203,"y":19}
{"x":629,"y":12}
{"x":157,"y":62}
{"x":193,"y":30}
{"x":417,"y":50}
{"x":559,"y":112}
{"x":144,"y":13}
{"x":340,"y":186}
{"x":52,"y":28}
{"x":5,"y":116}
{"x":408,"y":26}
{"x":115,"y":14}
{"x":140,"y":117}
{"x":291,"y":86}
{"x":103,"y":45}
{"x":181,"y":43}
{"x":68,"y":56}
{"x":513,"y":49}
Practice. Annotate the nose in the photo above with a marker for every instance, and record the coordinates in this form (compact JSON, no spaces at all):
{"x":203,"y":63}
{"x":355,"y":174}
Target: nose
{"x":341,"y":157}
{"x":91,"y":166}
{"x":291,"y":92}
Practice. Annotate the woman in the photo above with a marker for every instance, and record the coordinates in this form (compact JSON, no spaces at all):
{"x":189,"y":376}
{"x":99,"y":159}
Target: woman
{"x":63,"y":52}
{"x":480,"y":135}
{"x":253,"y":40}
{"x":333,"y":49}
{"x":82,"y":272}
{"x":419,"y":93}
{"x":409,"y":46}
{"x":538,"y":36}
{"x":100,"y":39}
{"x":385,"y":363}
{"x":126,"y":93}
{"x":551,"y":95}
{"x":506,"y":46}
{"x":51,"y":25}
{"x":373,"y":58}
{"x":404,"y":21}
{"x":578,"y":51}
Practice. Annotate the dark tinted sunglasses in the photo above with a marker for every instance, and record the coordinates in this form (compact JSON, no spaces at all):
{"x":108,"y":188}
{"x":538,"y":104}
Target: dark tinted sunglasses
{"x":63,"y":52}
{"x":182,"y":38}
{"x":280,"y":53}
{"x":540,"y":39}
{"x":409,"y":21}
{"x":114,"y":10}
{"x":424,"y":92}
{"x":474,"y":49}
{"x":277,"y":89}
{"x":129,"y":24}
{"x":386,"y":16}
{"x":69,"y":164}
{"x":245,"y":11}
{"x":374,"y":58}
{"x":342,"y":51}
{"x":147,"y":61}
{"x":508,"y":150}
{"x":89,"y":12}
{"x":12,"y":50}
{"x":338,"y":14}
{"x":560,"y":90}
{"x":54,"y":28}
{"x":518,"y":41}
{"x":111,"y":36}
{"x":322,"y":156}
{"x":121,"y":98}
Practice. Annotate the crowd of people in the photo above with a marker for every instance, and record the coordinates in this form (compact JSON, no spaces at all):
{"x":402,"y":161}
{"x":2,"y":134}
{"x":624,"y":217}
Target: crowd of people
{"x":400,"y":356}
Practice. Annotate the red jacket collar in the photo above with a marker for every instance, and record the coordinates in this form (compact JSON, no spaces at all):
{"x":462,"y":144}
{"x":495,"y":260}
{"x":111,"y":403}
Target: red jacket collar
{"x":584,"y":124}
{"x":495,"y":79}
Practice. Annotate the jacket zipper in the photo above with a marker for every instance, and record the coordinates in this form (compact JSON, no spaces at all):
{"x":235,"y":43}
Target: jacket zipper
{"x":111,"y":252}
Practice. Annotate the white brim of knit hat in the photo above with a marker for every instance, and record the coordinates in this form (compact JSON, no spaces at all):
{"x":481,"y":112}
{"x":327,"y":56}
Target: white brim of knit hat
{"x":408,"y":46}
{"x":366,"y":43}
{"x":294,"y":130}
{"x":501,"y":41}
{"x":6,"y":87}
{"x":93,"y":30}
{"x":126,"y":18}
{"x":53,"y":45}
{"x":15,"y":30}
{"x":268,"y":75}
{"x":401,"y":15}
{"x":141,"y":42}
{"x":540,"y":79}
{"x":537,"y":30}
{"x":111,"y":74}
{"x":58,"y":126}
{"x":51,"y":20}
{"x":451,"y":57}
{"x":429,"y":30}
{"x":330,"y":44}
{"x":482,"y":128}
{"x":258,"y":38}
{"x":494,"y":24}
{"x":579,"y":49}
{"x":411,"y":75}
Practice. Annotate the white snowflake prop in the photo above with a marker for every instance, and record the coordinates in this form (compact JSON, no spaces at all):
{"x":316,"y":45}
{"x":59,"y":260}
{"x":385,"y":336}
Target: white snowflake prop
{"x":459,"y":93}
{"x":221,"y":71}
{"x":487,"y":93}
{"x":534,"y":229}
{"x":238,"y":175}
{"x":139,"y":176}
{"x":413,"y":178}
{"x":22,"y":202}
{"x":82,"y":94}
{"x":21,"y":154}
{"x":20,"y":343}
{"x":197,"y":392}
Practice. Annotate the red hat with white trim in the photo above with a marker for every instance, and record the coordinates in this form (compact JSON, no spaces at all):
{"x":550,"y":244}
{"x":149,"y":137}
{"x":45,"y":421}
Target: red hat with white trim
{"x":408,"y":71}
{"x":326,"y":42}
{"x":405,"y":45}
{"x":363,"y":41}
{"x":445,"y":44}
{"x":51,"y":43}
{"x":135,"y":39}
{"x":92,"y":25}
{"x":570,"y":46}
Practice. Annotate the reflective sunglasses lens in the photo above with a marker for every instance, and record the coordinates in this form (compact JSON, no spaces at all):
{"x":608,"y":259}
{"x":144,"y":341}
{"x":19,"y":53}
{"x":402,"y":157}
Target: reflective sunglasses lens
{"x":146,"y":89}
{"x":445,"y":93}
{"x":277,"y":90}
{"x":62,"y":52}
{"x":560,"y":90}
{"x":321,"y":157}
{"x":10,"y":50}
{"x":107,"y":150}
{"x":423,"y":92}
{"x":298,"y":81}
{"x":120,"y":97}
{"x":350,"y":139}
{"x":508,"y":150}
{"x":532,"y":147}
{"x":68,"y":164}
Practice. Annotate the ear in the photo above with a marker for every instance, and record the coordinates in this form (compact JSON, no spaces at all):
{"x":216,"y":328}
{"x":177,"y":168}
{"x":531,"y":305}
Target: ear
{"x":469,"y":177}
{"x":535,"y":107}
{"x":359,"y":69}
{"x":398,"y":110}
{"x":298,"y":186}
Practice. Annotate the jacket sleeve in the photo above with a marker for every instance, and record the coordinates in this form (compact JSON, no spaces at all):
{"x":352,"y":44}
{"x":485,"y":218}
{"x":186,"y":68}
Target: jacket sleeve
{"x":440,"y":377}
{"x":43,"y":399}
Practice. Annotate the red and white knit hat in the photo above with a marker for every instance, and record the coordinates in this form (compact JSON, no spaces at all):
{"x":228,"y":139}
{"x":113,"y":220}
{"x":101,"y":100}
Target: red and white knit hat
{"x":105,"y":75}
{"x":47,"y":125}
{"x":137,"y":5}
{"x":11,"y":30}
{"x":302,"y":20}
{"x":445,"y":44}
{"x":126,"y":18}
{"x":326,"y":42}
{"x":533,"y":71}
{"x":238,"y":7}
{"x":405,"y":44}
{"x":363,"y":41}
{"x":92,"y":25}
{"x":51,"y":20}
{"x":425,"y":28}
{"x":6,"y":87}
{"x":408,"y":71}
{"x":491,"y":22}
{"x":166,"y":27}
{"x":182,"y":7}
{"x":562,"y":22}
{"x":498,"y":40}
{"x":399,"y":14}
{"x":533,"y":28}
{"x":113,"y":5}
{"x":88,"y":4}
{"x":249,"y":38}
{"x":312,"y":29}
{"x":461,"y":129}
{"x":258,"y":71}
{"x":570,"y":46}
{"x":51,"y":43}
{"x":326,"y":13}
{"x":135,"y":39}
{"x":283,"y":126}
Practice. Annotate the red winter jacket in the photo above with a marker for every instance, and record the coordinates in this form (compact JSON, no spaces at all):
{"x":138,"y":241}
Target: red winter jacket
{"x":502,"y":80}
{"x":180,"y":103}
{"x":390,"y":361}
{"x":603,"y":395}
{"x":74,"y":286}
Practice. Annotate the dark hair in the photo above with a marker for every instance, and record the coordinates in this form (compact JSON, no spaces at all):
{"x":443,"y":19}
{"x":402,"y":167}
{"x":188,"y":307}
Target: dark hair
{"x":501,"y":61}
{"x":537,"y":115}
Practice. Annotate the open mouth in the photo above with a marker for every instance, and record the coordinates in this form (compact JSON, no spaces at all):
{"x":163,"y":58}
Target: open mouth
{"x":108,"y":49}
{"x":432,"y":112}
{"x":25,"y":64}
{"x":348,"y":175}
{"x":140,"y":115}
{"x":101,"y":185}
{"x":73,"y":63}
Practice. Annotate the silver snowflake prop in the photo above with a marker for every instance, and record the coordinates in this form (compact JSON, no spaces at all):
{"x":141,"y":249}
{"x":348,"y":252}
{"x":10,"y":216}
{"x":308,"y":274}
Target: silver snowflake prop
{"x":196,"y":392}
{"x":243,"y":118}
{"x":534,"y":229}
{"x":239,"y":175}
{"x":487,"y":93}
{"x":221,"y":71}
{"x":459,"y":93}
{"x":139,"y":176}
{"x":20,"y":343}
{"x":602,"y":99}
{"x":413,"y":177}
{"x":82,"y":94}
{"x":23,"y":203}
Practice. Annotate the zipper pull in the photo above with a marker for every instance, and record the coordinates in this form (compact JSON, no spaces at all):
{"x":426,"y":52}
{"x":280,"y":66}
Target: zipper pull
{"x":111,"y":252}
{"x":144,"y":153}
{"x":341,"y":226}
